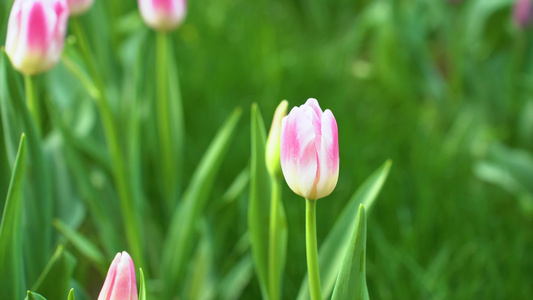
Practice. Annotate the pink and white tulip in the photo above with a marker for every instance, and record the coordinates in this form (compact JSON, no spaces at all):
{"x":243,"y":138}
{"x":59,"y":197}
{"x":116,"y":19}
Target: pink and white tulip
{"x":310,"y":150}
{"x":120,"y":283}
{"x":522,"y":13}
{"x":78,"y":7}
{"x":36,"y":34}
{"x":163,"y":15}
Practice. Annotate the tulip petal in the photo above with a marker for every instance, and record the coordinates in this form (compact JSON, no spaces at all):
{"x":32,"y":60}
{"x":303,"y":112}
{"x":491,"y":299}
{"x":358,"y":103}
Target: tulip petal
{"x":298,"y":151}
{"x":110,"y":279}
{"x":328,"y":158}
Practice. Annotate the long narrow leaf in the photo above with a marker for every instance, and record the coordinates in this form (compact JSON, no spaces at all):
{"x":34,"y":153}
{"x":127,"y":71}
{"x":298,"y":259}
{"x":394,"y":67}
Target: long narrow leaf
{"x":54,"y":281}
{"x":258,"y":208}
{"x":334,"y":246}
{"x":11,"y":260}
{"x":179,"y":241}
{"x":351,"y":282}
{"x":34,"y":296}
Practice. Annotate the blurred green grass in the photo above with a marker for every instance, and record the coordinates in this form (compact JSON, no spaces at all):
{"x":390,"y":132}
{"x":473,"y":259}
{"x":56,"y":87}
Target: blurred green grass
{"x":428,"y":84}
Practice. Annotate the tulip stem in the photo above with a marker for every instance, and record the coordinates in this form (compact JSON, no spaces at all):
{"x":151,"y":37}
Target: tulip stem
{"x":163,"y":121}
{"x":274,"y":255}
{"x":32,"y":102}
{"x":312,"y":250}
{"x":127,"y":197}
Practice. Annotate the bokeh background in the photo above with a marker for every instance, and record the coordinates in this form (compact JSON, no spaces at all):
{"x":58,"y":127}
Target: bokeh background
{"x":442,"y":88}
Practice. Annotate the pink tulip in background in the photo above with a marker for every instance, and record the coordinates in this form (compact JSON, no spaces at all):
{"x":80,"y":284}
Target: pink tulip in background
{"x":120,"y":283}
{"x":78,"y":7}
{"x":163,"y":15}
{"x":522,"y":12}
{"x":310,"y":150}
{"x":36,"y":34}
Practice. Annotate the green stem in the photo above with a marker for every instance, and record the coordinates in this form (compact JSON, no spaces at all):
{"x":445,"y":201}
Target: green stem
{"x":274,"y":254}
{"x":131,"y":220}
{"x":32,"y":102}
{"x":163,"y":121}
{"x":312,"y":250}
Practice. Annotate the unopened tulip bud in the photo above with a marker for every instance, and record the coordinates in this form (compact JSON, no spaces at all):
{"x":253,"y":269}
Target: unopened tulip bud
{"x":78,"y":7}
{"x":522,"y":13}
{"x":36,"y":34}
{"x":120,"y":283}
{"x":310,"y":150}
{"x":163,"y":15}
{"x":272,"y":152}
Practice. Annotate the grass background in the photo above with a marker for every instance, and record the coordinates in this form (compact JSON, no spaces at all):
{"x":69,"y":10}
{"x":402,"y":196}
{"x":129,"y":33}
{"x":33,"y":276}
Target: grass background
{"x":442,"y":89}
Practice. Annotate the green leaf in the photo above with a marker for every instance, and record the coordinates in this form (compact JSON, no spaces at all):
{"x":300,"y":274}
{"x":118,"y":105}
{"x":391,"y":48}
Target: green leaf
{"x":351,"y":282}
{"x":55,"y":278}
{"x":11,"y":121}
{"x":232,"y":285}
{"x":82,"y":244}
{"x":71,"y":295}
{"x":142,"y":285}
{"x":11,"y":260}
{"x":199,"y":282}
{"x":334,"y":246}
{"x":258,"y":208}
{"x":38,"y":204}
{"x":179,"y":241}
{"x":34,"y":296}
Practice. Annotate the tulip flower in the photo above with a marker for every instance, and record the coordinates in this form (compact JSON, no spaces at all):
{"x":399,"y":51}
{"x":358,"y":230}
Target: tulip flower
{"x":120,"y":283}
{"x":272,"y":152}
{"x":310,"y":150}
{"x":522,"y":12}
{"x":78,"y":7}
{"x":36,"y":34}
{"x":163,"y":15}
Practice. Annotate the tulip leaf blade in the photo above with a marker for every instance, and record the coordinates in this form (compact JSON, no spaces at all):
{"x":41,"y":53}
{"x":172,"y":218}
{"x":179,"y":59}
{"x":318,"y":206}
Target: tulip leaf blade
{"x":351,"y":281}
{"x":179,"y":241}
{"x":142,"y":285}
{"x":11,"y":259}
{"x":258,"y":208}
{"x":33,"y":296}
{"x":55,"y":278}
{"x":81,"y":243}
{"x":71,"y":295}
{"x":330,"y":254}
{"x":37,"y":204}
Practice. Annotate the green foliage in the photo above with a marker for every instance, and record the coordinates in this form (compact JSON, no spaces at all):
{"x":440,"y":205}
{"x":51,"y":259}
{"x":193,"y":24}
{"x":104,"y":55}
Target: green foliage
{"x":351,"y":281}
{"x":258,"y":210}
{"x":54,"y":281}
{"x":11,"y":259}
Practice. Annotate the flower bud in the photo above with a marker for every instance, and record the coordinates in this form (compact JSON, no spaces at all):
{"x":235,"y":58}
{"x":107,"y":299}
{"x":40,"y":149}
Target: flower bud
{"x":522,"y":12}
{"x":78,"y":7}
{"x":163,"y":15}
{"x":272,"y":152}
{"x":310,"y":150}
{"x":120,"y":283}
{"x":36,"y":34}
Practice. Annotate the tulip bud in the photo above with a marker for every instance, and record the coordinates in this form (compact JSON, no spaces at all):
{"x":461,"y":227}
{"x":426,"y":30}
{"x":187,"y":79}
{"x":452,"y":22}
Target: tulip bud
{"x":36,"y":34}
{"x":272,"y":152}
{"x":163,"y":15}
{"x":522,"y":12}
{"x":310,"y":150}
{"x":120,"y":283}
{"x":78,"y":7}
